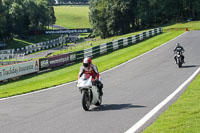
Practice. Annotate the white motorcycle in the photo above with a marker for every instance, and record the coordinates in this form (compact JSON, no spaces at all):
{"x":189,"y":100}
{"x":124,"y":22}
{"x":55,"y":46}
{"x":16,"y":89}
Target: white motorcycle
{"x":90,"y":92}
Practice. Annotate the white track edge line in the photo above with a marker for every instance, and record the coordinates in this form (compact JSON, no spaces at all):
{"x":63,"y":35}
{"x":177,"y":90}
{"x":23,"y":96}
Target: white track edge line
{"x":101,"y":72}
{"x":148,"y":116}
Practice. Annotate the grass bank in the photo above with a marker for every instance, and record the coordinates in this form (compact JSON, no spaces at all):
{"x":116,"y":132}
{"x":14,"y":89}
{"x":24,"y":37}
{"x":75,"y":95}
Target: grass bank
{"x":193,"y":25}
{"x":183,"y":116}
{"x":19,"y":43}
{"x":67,"y":74}
{"x":66,"y":16}
{"x":72,"y":16}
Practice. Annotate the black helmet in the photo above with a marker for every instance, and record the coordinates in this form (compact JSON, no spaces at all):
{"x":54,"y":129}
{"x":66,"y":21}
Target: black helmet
{"x":178,"y":44}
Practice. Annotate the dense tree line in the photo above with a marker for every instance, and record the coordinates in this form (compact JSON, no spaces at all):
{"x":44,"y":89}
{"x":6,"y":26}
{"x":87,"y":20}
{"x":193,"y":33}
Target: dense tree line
{"x":115,"y":17}
{"x":18,"y":17}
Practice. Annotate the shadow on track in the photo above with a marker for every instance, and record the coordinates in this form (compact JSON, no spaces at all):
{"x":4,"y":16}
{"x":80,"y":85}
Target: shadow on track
{"x":190,"y":66}
{"x":107,"y":107}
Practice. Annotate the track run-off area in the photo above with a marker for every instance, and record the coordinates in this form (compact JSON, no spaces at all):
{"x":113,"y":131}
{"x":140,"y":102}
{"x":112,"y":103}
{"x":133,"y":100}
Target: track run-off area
{"x":132,"y":93}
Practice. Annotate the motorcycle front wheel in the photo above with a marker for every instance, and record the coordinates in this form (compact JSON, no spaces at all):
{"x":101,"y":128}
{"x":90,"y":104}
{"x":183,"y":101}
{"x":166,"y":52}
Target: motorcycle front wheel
{"x":179,"y":63}
{"x":85,"y":100}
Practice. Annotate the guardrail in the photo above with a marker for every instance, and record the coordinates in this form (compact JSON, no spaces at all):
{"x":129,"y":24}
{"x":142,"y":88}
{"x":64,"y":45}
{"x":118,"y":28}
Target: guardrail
{"x":35,"y":66}
{"x":115,"y":45}
{"x":32,"y":48}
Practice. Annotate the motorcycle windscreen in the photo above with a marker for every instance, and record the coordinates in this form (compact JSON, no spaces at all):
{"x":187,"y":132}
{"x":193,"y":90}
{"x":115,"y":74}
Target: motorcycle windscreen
{"x":85,"y":81}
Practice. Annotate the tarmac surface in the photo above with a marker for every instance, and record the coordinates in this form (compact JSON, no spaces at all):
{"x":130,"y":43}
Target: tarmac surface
{"x":130,"y":92}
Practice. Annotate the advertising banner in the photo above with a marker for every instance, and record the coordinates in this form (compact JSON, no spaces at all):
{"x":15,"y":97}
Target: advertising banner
{"x":44,"y":63}
{"x":60,"y":60}
{"x":68,"y":31}
{"x":61,"y":31}
{"x":20,"y":69}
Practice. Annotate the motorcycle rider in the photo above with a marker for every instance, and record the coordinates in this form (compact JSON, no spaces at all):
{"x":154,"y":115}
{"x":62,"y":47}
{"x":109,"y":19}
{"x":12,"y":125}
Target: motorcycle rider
{"x":91,"y":69}
{"x":180,"y":49}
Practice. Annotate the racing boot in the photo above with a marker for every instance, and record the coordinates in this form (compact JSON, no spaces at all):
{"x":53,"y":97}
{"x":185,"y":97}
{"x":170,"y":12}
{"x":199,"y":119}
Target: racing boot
{"x":100,"y":91}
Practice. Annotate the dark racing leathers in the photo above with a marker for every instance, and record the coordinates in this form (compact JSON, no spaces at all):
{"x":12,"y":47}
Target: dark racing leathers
{"x":181,"y":50}
{"x":93,"y":71}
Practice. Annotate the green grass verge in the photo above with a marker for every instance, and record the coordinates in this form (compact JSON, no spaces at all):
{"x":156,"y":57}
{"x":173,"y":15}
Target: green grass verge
{"x":72,"y":16}
{"x":193,"y":25}
{"x":183,"y":116}
{"x":19,"y":43}
{"x":70,"y":73}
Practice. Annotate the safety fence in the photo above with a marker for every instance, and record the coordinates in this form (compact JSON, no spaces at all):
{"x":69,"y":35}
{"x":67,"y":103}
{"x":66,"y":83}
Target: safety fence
{"x":10,"y":53}
{"x":115,"y":45}
{"x":12,"y":71}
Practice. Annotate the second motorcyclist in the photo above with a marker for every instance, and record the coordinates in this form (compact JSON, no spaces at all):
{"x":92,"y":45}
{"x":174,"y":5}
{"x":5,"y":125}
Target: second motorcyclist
{"x":180,"y":49}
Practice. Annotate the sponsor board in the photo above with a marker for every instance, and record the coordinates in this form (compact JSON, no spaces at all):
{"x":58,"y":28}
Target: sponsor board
{"x":44,"y":63}
{"x":16,"y":70}
{"x":62,"y":31}
{"x":60,"y":60}
{"x":68,"y":31}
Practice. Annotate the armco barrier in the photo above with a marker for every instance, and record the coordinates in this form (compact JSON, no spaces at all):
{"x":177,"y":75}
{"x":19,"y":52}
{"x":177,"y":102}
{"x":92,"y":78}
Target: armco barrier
{"x":115,"y":45}
{"x":15,"y":70}
{"x":79,"y":55}
{"x":32,"y":48}
{"x":41,"y":46}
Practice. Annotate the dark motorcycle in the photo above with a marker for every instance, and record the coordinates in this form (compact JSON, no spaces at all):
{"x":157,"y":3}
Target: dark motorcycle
{"x":179,"y":59}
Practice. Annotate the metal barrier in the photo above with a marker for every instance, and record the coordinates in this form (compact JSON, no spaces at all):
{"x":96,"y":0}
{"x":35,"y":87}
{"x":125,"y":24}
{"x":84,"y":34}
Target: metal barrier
{"x":115,"y":45}
{"x":32,"y":48}
{"x":34,"y":66}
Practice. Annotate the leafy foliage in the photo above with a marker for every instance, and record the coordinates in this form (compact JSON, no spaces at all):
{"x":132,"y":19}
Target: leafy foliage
{"x":18,"y":17}
{"x":116,"y":17}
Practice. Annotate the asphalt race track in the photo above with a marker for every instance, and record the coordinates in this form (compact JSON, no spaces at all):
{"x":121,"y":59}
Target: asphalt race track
{"x":130,"y":92}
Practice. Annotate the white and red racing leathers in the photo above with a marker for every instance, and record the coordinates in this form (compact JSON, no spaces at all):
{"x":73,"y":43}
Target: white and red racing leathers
{"x":92,"y":70}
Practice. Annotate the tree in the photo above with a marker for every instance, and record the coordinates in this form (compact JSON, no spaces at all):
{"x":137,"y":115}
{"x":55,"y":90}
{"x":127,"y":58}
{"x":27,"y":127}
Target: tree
{"x":1,"y":20}
{"x":114,"y":17}
{"x":16,"y":13}
{"x":18,"y":17}
{"x":109,"y":17}
{"x":98,"y":18}
{"x":51,"y":18}
{"x":5,"y":21}
{"x":51,"y":2}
